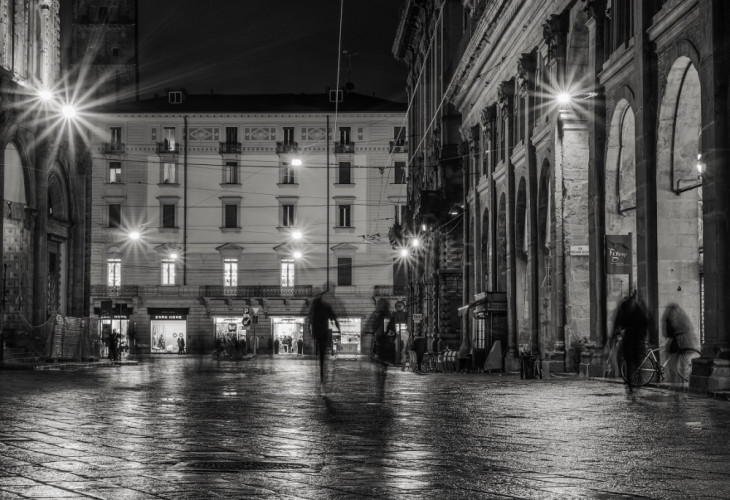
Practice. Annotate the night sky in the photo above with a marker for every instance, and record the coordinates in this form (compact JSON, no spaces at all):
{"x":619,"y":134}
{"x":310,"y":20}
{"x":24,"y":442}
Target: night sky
{"x":264,"y":46}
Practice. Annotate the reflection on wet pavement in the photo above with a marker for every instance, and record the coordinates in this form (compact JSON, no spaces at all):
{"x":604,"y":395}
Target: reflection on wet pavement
{"x":189,"y":427}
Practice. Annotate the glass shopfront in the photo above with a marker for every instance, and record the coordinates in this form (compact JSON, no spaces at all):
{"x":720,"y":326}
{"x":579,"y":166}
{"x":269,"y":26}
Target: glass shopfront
{"x":349,"y":339}
{"x":167,"y":329}
{"x":229,"y":328}
{"x":286,"y":333}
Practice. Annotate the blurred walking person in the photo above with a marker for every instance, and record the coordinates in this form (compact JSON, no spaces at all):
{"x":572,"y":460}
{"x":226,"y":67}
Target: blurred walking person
{"x":320,"y":314}
{"x":633,"y":322}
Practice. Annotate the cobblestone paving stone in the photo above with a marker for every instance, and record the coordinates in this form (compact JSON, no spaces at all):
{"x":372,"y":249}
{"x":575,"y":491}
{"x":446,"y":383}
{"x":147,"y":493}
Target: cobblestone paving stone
{"x":186,"y":427}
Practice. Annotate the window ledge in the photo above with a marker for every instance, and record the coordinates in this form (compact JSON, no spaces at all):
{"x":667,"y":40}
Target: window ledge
{"x":230,"y":229}
{"x":170,"y":184}
{"x":114,"y":183}
{"x":287,"y":184}
{"x":224,"y":184}
{"x":349,"y":185}
{"x":285,"y":229}
{"x":173,"y":230}
{"x":343,"y":229}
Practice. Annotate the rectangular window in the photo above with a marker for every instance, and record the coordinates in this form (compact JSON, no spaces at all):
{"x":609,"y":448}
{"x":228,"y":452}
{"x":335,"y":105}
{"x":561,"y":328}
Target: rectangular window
{"x":344,"y":135}
{"x":343,"y":219}
{"x":344,"y":272}
{"x":114,"y":272}
{"x":168,"y":215}
{"x":287,"y":272}
{"x":115,"y":172}
{"x":230,"y":172}
{"x":399,"y":136}
{"x":399,"y":172}
{"x":345,"y":172}
{"x":479,"y":334}
{"x":168,"y":271}
{"x":115,"y":137}
{"x":230,"y":272}
{"x":230,"y":216}
{"x":169,"y":173}
{"x":231,"y":135}
{"x":115,"y":214}
{"x":287,"y":174}
{"x":287,"y":216}
{"x":288,"y":136}
{"x":168,"y":138}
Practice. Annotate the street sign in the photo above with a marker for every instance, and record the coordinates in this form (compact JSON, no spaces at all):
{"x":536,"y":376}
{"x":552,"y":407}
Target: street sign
{"x":246,"y":311}
{"x":417,"y":317}
{"x":256,"y":310}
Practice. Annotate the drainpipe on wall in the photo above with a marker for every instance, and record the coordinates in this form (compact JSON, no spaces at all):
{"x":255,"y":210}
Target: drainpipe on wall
{"x":185,"y":202}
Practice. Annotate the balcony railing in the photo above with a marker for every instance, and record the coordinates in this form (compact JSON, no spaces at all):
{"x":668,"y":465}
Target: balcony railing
{"x":256,"y":291}
{"x":231,"y":148}
{"x":344,"y":148}
{"x":398,"y":147}
{"x":166,"y":147}
{"x":390,"y":290}
{"x":114,"y":291}
{"x":113,"y":148}
{"x":283,"y":148}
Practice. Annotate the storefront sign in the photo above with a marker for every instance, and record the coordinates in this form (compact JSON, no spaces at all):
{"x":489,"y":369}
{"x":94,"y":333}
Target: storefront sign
{"x":618,"y":254}
{"x":175,"y":313}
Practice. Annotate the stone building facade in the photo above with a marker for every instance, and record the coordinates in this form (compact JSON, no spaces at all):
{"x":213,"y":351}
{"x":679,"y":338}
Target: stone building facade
{"x":43,"y":182}
{"x":210,"y":185}
{"x":550,"y":185}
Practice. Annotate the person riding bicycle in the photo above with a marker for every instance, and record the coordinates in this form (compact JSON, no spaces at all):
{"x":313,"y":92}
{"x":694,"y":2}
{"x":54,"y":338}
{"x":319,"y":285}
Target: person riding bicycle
{"x":633,"y":320}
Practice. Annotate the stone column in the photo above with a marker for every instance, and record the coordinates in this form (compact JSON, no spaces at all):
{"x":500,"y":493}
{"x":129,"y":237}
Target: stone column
{"x":712,"y":371}
{"x":506,"y":108}
{"x":596,"y":171}
{"x":41,"y":161}
{"x":645,"y":119}
{"x":526,"y":85}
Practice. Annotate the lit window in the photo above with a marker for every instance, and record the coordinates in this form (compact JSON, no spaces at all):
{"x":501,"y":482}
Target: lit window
{"x":287,"y":272}
{"x":287,"y":174}
{"x":344,"y":135}
{"x":230,"y":272}
{"x":168,"y":271}
{"x":115,"y":172}
{"x":114,"y":272}
{"x":168,"y":139}
{"x":230,"y":172}
{"x":169,"y":173}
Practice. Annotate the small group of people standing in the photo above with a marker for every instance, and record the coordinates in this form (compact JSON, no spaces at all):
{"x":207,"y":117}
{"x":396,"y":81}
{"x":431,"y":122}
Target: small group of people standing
{"x":114,"y":344}
{"x":180,"y":344}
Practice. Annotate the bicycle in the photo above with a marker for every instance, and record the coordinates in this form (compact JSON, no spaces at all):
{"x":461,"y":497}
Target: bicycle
{"x":649,"y":368}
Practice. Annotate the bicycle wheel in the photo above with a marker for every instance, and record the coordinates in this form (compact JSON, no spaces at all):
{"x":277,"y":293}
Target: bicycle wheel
{"x":684,"y":363}
{"x":643,"y":374}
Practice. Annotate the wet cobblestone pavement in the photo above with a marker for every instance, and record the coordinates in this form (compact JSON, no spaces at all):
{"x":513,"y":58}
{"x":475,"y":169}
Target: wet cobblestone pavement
{"x":184,"y":427}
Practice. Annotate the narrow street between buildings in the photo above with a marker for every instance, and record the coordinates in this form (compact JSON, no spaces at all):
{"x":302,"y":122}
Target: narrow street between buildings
{"x":181,"y":427}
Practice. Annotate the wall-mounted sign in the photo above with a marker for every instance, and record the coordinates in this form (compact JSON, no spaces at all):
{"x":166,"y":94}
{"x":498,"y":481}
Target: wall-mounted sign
{"x":618,"y":254}
{"x":417,"y":317}
{"x":579,"y":250}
